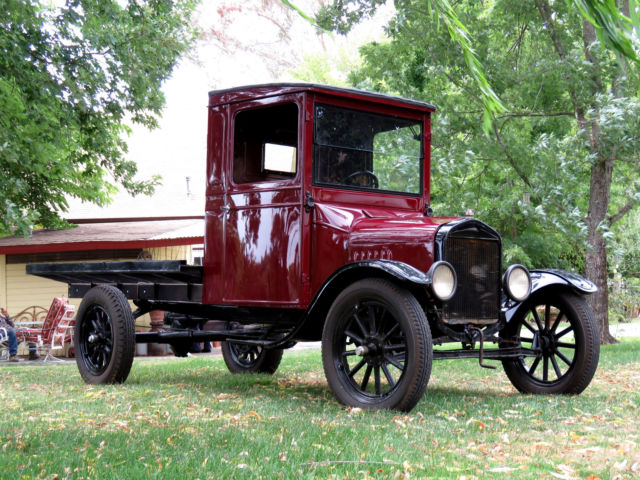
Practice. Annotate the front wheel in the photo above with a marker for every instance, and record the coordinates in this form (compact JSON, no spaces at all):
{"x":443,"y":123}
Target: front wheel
{"x":376,"y":346}
{"x":561,"y":338}
{"x":105,"y":337}
{"x":241,"y":358}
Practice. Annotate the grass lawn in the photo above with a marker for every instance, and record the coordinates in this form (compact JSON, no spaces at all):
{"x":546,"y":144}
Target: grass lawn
{"x":189,"y":418}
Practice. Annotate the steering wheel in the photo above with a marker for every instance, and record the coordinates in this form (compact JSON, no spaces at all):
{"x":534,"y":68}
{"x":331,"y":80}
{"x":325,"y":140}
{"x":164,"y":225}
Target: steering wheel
{"x":373,"y":183}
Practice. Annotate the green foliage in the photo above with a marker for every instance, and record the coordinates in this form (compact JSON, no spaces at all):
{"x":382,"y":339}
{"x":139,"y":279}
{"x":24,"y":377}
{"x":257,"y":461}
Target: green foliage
{"x":624,"y":254}
{"x":342,"y":15}
{"x":397,"y":156}
{"x":612,"y":26}
{"x":328,"y":68}
{"x":624,"y":298}
{"x":71,"y":79}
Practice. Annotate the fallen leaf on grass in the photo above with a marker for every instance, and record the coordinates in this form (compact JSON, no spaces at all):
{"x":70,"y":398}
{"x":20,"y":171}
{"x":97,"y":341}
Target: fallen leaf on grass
{"x":398,"y":421}
{"x":254,"y":414}
{"x":565,"y":472}
{"x":562,"y":476}
{"x":480,"y":424}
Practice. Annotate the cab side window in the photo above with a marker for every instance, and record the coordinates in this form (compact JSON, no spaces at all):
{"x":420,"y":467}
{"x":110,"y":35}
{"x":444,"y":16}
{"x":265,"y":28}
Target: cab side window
{"x":362,"y":150}
{"x":265,"y":144}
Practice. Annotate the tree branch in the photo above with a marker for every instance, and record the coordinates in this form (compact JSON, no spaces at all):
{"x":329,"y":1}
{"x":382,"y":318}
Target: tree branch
{"x":510,"y":159}
{"x":545,"y":12}
{"x":528,"y":114}
{"x":622,"y":212}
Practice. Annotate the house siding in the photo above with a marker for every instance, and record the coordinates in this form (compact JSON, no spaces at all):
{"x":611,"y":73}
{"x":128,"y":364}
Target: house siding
{"x":182,"y":252}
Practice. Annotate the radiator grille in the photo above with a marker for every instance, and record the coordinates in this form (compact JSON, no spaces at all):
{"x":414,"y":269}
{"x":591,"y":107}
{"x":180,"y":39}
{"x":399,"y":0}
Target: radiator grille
{"x":477,"y":265}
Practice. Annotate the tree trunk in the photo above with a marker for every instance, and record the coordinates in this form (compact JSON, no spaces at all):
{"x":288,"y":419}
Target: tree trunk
{"x":596,"y":260}
{"x":596,"y":271}
{"x":599,"y":197}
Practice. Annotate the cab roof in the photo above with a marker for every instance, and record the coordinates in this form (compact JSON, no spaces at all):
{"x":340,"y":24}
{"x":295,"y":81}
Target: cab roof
{"x":253,"y":92}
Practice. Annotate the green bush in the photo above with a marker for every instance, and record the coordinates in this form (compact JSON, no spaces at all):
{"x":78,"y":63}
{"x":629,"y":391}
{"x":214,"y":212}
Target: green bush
{"x":624,"y":298}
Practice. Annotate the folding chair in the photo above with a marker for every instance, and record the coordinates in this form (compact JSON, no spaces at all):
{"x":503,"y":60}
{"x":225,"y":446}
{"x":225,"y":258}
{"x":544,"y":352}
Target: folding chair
{"x":56,"y":329}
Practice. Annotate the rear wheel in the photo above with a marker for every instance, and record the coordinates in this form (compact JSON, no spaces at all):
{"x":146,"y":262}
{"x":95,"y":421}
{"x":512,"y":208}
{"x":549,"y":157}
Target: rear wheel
{"x":376,"y":346}
{"x":561,"y":333}
{"x":104,"y":339}
{"x":242,"y":358}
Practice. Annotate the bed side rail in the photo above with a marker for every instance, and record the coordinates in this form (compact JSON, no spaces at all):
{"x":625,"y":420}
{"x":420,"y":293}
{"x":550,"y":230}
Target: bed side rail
{"x":168,"y":280}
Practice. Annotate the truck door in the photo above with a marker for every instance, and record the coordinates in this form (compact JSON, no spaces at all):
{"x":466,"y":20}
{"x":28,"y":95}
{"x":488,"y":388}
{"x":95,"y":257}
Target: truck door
{"x":263,"y":205}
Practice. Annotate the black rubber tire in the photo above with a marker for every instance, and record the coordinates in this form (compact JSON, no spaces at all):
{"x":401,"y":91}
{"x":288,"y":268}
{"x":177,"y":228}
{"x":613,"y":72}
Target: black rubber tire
{"x":105,"y":337}
{"x":545,"y":324}
{"x":241,"y":358}
{"x":389,"y":323}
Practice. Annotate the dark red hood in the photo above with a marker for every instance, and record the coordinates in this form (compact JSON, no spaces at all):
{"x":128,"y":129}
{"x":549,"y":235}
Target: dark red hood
{"x":374,"y":233}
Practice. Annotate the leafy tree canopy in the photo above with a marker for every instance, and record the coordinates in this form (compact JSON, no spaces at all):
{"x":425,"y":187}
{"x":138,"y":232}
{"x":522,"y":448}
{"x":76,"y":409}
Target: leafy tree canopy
{"x":71,"y":79}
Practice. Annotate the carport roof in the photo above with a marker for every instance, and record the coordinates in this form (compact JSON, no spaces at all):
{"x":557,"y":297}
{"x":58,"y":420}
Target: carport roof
{"x":107,"y":234}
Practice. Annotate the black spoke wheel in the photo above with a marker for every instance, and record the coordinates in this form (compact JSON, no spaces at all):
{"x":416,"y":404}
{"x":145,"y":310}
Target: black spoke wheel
{"x":376,"y":346}
{"x":559,"y":331}
{"x":242,"y":358}
{"x":104,"y":336}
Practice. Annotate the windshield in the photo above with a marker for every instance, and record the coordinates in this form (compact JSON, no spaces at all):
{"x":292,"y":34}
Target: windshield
{"x":369,"y":151}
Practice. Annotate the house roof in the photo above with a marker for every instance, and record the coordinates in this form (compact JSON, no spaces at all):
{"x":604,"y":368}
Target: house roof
{"x":107,"y":234}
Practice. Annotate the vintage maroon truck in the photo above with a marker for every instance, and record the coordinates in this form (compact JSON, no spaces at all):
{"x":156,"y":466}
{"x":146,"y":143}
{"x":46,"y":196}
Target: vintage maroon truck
{"x":318,"y":227}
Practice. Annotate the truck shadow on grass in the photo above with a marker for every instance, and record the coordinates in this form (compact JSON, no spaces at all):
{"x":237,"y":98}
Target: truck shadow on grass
{"x":296,"y":388}
{"x":247,"y":386}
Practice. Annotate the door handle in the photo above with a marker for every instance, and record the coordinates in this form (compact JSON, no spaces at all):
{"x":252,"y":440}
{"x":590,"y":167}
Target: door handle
{"x":225,"y":208}
{"x":309,"y":202}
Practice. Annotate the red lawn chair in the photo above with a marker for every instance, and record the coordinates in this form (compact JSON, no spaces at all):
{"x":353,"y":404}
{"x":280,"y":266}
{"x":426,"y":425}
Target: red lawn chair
{"x":57,"y":328}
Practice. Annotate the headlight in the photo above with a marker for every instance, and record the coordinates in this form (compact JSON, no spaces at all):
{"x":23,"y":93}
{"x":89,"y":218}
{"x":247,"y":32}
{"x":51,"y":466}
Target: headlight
{"x":443,"y":280}
{"x":517,"y":282}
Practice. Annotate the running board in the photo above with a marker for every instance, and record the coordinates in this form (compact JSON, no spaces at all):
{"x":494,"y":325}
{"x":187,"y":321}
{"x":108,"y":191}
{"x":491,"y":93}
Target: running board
{"x":486,"y":354}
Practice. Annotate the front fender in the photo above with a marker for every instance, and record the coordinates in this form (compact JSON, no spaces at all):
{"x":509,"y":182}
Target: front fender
{"x":400,"y":271}
{"x":541,"y":279}
{"x":552,"y":276}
